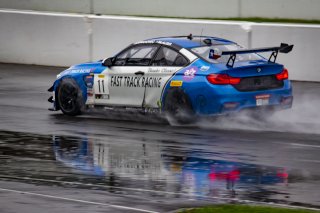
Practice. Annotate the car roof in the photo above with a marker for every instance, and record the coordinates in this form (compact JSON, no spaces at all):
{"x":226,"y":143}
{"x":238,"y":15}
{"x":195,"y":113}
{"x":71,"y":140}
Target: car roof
{"x":192,"y":41}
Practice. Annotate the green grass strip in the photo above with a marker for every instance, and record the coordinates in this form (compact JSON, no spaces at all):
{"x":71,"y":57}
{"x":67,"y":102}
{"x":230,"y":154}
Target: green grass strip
{"x":245,"y":209}
{"x":251,"y":19}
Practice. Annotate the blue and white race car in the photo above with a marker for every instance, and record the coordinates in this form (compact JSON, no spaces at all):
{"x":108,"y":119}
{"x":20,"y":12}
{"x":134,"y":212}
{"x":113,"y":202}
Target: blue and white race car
{"x":180,"y":76}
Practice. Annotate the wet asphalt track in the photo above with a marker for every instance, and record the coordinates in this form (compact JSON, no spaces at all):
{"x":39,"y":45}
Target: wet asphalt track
{"x":53,"y":163}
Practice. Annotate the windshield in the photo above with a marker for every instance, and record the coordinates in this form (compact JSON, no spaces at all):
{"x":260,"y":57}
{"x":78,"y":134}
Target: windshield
{"x":210,"y":53}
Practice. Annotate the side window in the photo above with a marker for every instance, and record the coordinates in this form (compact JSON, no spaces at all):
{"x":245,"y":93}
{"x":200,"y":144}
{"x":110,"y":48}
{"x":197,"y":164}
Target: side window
{"x":169,"y":57}
{"x":140,"y":55}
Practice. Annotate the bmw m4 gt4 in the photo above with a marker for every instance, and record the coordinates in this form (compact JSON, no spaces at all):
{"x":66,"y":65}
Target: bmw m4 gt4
{"x":181,"y":76}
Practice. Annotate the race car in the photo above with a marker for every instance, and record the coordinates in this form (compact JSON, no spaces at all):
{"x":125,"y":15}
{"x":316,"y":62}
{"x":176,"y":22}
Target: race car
{"x":182,"y":77}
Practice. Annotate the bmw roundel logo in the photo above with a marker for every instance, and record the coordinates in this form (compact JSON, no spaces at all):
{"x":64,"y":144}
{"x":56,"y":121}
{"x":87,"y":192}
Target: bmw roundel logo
{"x":259,"y":70}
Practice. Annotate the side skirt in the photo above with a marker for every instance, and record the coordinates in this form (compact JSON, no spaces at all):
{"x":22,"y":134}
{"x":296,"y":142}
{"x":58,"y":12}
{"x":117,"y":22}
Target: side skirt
{"x":140,"y":110}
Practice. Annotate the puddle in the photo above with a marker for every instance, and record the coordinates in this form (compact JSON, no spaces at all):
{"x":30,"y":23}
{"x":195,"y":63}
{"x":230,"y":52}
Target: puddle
{"x":149,"y":168}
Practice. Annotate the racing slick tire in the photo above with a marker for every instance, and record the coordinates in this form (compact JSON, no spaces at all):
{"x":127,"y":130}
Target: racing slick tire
{"x":70,"y":97}
{"x":178,"y":108}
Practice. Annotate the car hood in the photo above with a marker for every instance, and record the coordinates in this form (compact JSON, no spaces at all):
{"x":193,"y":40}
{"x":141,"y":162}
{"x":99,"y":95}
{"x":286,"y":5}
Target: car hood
{"x":85,"y":68}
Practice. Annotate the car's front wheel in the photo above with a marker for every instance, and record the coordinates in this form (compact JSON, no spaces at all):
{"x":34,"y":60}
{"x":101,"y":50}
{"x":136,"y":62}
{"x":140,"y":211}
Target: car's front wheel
{"x":178,"y":108}
{"x":70,"y":97}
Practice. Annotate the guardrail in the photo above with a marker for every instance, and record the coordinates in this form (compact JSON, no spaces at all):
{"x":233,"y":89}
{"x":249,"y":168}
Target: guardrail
{"x":64,"y":39}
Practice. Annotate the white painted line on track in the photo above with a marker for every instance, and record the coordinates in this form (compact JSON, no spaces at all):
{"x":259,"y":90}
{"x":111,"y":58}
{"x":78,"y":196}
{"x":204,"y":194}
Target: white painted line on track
{"x":77,"y":200}
{"x":305,"y":145}
{"x":163,"y":192}
{"x":309,"y":161}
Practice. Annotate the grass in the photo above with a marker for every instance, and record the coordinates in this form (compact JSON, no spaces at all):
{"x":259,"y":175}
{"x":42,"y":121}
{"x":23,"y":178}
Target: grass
{"x":250,"y":19}
{"x":272,"y":20}
{"x":244,"y":209}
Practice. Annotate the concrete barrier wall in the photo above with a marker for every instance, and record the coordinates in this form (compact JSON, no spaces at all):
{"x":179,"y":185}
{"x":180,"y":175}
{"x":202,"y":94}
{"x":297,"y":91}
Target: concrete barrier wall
{"x":113,"y":33}
{"x":63,"y":40}
{"x":43,"y":39}
{"x":171,"y":8}
{"x":73,"y":6}
{"x":302,"y":9}
{"x":302,"y":62}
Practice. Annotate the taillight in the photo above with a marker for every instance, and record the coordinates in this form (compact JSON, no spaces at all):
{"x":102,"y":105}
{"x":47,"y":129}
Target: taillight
{"x":283,"y":75}
{"x":222,"y":79}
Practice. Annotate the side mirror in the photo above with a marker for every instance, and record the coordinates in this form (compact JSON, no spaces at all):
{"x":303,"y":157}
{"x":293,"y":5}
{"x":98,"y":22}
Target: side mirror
{"x":108,"y":62}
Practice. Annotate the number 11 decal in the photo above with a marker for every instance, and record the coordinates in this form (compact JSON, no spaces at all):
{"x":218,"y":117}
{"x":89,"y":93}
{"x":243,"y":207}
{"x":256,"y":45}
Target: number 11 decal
{"x":101,"y":86}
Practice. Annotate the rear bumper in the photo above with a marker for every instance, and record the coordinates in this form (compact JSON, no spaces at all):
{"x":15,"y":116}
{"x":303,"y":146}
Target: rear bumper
{"x":223,"y":99}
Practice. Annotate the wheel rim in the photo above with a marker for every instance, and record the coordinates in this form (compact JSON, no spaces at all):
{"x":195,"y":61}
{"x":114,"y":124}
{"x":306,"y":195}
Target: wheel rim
{"x":68,"y":98}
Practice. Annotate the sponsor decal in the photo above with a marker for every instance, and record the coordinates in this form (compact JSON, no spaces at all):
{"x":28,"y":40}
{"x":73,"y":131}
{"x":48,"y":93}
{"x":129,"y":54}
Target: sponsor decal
{"x":135,"y":81}
{"x":204,"y":68}
{"x":154,"y":42}
{"x":264,"y":96}
{"x":90,"y":92}
{"x":164,"y":43}
{"x":161,"y":70}
{"x":102,"y":96}
{"x":211,"y":54}
{"x":72,"y":71}
{"x":176,"y":83}
{"x":154,"y":70}
{"x":145,"y":42}
{"x":101,"y":76}
{"x":92,"y":71}
{"x":190,"y":73}
{"x":89,"y":81}
{"x":215,"y":54}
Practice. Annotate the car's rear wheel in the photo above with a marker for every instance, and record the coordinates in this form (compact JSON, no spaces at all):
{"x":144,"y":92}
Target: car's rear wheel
{"x":178,"y":108}
{"x":70,"y":97}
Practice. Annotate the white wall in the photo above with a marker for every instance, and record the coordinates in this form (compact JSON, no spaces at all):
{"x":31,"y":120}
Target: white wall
{"x":75,"y":6}
{"x":63,"y":40}
{"x":43,"y":39}
{"x":302,"y":9}
{"x":111,"y":34}
{"x":303,"y":62}
{"x":171,"y":8}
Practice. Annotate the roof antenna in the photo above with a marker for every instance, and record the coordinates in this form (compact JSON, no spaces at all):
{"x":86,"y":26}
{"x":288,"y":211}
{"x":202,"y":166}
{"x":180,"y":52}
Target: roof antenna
{"x":190,"y":36}
{"x":201,"y":36}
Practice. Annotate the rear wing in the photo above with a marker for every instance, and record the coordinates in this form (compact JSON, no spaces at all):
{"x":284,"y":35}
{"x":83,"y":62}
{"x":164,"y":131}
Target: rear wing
{"x":283,"y":48}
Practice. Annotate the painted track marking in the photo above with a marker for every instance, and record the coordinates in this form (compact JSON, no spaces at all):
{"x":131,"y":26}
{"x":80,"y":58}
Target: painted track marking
{"x":162,"y":192}
{"x":305,"y":145}
{"x":77,"y":200}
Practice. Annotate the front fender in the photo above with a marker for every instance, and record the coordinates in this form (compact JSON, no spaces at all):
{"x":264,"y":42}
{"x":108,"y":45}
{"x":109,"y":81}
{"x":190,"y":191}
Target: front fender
{"x":55,"y":87}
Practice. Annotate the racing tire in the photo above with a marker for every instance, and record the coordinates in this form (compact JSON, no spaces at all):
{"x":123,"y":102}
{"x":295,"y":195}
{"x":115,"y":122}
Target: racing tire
{"x":70,"y":97}
{"x":178,"y":108}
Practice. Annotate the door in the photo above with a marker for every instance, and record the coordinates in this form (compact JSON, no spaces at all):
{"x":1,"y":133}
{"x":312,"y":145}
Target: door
{"x":125,"y":80}
{"x":165,"y":64}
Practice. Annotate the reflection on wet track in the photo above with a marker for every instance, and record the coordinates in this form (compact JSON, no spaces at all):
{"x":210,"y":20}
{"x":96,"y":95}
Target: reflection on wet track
{"x":141,"y":167}
{"x":186,"y":173}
